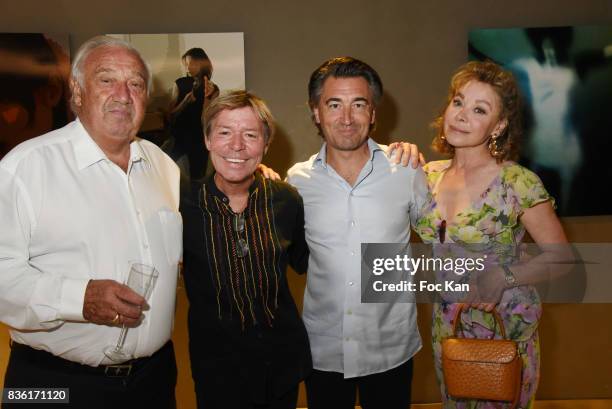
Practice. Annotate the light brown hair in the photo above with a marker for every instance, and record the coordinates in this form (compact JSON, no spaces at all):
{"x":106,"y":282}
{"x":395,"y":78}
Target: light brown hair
{"x":239,"y":99}
{"x":506,"y":145}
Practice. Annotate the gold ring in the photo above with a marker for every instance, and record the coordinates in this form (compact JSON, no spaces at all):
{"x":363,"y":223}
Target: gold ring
{"x":116,"y":319}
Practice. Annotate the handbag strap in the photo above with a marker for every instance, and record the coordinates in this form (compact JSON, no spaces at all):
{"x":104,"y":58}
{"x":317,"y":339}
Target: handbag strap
{"x":465,"y":307}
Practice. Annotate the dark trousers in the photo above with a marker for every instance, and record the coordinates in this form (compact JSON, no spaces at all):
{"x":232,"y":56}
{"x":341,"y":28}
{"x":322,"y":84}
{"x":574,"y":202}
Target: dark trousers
{"x":213,"y":395}
{"x":149,"y":384}
{"x":386,"y":390}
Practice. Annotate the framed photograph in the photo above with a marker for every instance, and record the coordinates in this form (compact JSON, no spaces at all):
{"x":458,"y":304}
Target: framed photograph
{"x":189,"y":71}
{"x":34,"y":94}
{"x":565,"y":75}
{"x":165,"y":54}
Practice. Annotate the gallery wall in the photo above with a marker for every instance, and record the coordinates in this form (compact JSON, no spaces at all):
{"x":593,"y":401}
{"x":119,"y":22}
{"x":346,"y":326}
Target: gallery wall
{"x":415,"y":46}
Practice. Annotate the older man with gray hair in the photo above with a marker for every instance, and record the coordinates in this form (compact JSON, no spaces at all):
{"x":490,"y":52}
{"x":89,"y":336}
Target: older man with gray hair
{"x":77,"y":206}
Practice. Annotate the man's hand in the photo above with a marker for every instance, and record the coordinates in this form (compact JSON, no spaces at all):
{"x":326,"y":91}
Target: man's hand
{"x":405,"y":152}
{"x":267,"y":172}
{"x":109,"y":303}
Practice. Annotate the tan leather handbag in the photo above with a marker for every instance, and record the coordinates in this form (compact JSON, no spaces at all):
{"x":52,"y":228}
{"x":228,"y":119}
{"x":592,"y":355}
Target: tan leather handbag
{"x":486,"y":369}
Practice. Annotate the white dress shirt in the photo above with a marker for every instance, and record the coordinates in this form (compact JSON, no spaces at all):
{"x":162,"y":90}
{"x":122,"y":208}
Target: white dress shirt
{"x":346,"y":335}
{"x":68,"y":215}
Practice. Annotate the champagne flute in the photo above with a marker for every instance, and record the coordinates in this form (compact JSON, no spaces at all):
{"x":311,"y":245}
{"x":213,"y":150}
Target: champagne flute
{"x":141,"y":279}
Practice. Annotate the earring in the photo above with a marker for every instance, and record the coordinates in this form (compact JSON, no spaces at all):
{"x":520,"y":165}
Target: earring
{"x":494,"y":147}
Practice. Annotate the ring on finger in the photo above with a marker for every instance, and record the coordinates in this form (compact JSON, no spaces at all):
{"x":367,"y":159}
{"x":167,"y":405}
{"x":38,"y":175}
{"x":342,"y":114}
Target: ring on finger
{"x":116,"y":319}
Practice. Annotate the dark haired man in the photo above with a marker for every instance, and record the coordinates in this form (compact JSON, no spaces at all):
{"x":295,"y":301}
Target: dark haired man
{"x":354,"y":194}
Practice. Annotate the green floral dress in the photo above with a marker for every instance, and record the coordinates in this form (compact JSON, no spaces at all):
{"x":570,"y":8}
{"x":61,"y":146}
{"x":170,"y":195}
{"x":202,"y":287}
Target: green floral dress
{"x":492,"y":223}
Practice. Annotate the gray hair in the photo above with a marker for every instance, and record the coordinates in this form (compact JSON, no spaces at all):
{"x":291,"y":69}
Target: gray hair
{"x":104,"y":41}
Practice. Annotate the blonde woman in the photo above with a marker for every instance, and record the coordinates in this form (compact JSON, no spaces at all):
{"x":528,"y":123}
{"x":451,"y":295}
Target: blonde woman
{"x":480,"y":196}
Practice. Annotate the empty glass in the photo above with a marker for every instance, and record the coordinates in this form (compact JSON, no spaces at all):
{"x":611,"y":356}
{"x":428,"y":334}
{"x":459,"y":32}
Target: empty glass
{"x":141,"y":279}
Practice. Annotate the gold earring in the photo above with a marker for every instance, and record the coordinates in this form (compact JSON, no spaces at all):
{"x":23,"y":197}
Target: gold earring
{"x":494,"y":148}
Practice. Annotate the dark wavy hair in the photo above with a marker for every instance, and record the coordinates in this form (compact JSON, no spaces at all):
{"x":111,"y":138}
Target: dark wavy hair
{"x":342,"y":67}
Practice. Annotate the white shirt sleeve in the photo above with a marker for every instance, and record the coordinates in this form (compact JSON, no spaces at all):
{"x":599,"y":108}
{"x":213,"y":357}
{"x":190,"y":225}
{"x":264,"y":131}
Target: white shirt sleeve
{"x":31,"y":299}
{"x":420,"y":195}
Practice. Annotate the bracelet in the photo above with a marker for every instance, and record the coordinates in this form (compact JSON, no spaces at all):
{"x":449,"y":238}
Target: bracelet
{"x":509,"y":276}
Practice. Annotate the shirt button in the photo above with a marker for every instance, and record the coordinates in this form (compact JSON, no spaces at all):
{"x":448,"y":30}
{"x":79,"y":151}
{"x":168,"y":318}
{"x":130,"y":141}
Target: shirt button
{"x":349,"y":312}
{"x":353,"y":223}
{"x":351,"y":283}
{"x":347,"y":339}
{"x":352,"y":253}
{"x":146,"y":246}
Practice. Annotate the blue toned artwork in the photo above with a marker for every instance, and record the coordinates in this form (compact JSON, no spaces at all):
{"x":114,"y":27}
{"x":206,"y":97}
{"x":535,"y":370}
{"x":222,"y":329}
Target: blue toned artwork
{"x":565,"y":75}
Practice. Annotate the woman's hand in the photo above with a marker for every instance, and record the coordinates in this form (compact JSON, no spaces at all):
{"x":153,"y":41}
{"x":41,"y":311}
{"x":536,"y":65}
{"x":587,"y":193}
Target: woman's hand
{"x":210,"y":89}
{"x":486,"y":289}
{"x":189,"y":98}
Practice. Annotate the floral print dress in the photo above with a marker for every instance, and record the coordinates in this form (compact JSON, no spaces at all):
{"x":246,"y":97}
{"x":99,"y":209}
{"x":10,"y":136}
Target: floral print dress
{"x":491,"y":222}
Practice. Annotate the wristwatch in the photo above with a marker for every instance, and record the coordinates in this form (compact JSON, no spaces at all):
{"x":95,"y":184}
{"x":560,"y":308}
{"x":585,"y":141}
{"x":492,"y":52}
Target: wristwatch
{"x":509,"y":276}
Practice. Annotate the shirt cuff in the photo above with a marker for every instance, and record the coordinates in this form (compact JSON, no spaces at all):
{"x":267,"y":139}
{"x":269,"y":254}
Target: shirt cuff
{"x":73,"y":296}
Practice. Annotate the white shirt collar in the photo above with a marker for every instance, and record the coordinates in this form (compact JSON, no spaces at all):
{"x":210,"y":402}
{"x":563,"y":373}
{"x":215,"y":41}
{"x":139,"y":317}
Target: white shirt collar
{"x":321,"y":158}
{"x":87,"y":152}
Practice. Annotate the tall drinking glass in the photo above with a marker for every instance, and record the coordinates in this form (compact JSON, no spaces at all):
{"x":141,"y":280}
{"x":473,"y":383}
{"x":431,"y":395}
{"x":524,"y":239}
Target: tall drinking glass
{"x":141,"y":279}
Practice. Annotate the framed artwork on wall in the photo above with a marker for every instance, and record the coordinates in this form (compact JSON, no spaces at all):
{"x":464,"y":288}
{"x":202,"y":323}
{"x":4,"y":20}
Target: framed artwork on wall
{"x":34,"y":94}
{"x":565,"y":75}
{"x":189,"y":70}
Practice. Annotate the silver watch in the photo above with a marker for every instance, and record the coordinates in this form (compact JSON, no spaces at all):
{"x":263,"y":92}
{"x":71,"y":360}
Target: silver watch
{"x":509,"y":276}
